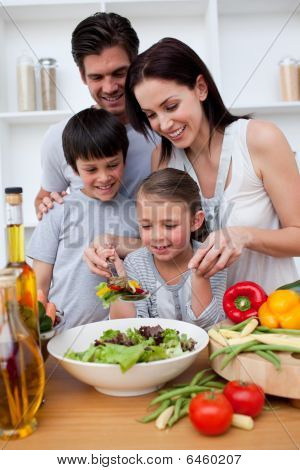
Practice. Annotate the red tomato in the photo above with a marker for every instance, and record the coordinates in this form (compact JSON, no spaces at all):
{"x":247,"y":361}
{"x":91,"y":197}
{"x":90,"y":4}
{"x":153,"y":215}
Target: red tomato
{"x":211,"y":413}
{"x":246,"y":398}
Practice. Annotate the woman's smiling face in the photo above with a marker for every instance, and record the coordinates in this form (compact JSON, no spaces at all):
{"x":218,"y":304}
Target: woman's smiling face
{"x":174,"y":111}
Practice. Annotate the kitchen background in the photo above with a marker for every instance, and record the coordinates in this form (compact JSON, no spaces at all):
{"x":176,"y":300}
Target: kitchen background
{"x":242,"y":42}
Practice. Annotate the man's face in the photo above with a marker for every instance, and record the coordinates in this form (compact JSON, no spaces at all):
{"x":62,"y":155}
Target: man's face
{"x":105,"y":76}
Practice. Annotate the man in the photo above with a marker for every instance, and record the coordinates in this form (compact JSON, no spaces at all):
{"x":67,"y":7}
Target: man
{"x":103,"y":46}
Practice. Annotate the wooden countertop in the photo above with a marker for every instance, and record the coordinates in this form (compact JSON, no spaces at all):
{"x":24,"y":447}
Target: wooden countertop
{"x":76,"y":416}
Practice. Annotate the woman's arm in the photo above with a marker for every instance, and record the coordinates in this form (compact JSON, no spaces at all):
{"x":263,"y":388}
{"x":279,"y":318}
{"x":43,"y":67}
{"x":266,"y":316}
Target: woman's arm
{"x":274,"y":163}
{"x":43,"y":272}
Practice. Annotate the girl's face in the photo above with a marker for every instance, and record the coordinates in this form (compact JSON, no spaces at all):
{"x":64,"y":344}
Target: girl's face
{"x":174,"y":111}
{"x":166,"y":226}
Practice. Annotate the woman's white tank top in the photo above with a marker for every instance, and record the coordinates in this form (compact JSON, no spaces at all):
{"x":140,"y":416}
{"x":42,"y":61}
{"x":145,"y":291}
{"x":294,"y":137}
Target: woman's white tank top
{"x":244,"y":202}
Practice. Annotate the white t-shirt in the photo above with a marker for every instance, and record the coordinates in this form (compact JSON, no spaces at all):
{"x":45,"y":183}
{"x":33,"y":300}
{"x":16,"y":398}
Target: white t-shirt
{"x":59,"y":239}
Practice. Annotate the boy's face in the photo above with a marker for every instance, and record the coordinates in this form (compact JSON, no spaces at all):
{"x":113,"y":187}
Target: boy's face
{"x":105,"y":76}
{"x":101,"y":177}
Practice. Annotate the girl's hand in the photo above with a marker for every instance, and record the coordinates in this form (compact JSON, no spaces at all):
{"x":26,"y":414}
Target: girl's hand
{"x":220,"y":250}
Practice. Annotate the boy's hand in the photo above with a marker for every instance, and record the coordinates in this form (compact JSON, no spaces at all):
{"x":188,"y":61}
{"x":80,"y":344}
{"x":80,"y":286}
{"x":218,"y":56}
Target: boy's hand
{"x":47,"y":203}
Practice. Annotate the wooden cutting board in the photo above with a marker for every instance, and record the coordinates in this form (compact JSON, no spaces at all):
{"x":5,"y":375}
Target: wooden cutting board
{"x":251,"y":368}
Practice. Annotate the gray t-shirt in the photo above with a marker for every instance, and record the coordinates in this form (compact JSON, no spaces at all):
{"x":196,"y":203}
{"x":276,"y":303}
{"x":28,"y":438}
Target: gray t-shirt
{"x":173,"y":301}
{"x":57,"y":175}
{"x":60,"y":238}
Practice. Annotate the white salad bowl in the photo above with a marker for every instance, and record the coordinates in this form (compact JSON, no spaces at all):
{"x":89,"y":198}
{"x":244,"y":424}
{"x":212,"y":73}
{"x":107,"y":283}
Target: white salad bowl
{"x":142,"y":378}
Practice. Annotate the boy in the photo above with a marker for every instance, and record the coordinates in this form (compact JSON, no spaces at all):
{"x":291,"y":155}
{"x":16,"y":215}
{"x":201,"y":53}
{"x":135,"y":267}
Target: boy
{"x":95,"y":144}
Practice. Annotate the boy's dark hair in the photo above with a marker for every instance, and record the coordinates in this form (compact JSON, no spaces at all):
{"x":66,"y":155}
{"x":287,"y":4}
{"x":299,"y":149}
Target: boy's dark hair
{"x":171,"y":59}
{"x":102,"y":30}
{"x":177,"y":186}
{"x":93,"y":134}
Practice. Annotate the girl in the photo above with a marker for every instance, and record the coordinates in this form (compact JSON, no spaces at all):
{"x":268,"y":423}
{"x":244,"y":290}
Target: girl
{"x":169,"y":213}
{"x":245,"y":169}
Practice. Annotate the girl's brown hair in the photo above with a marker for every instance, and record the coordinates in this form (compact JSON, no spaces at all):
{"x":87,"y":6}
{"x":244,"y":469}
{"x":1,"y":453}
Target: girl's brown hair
{"x":177,"y":186}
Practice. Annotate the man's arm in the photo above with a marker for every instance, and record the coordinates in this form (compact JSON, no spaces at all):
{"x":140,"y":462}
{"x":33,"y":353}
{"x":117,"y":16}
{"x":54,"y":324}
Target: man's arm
{"x":43,"y":272}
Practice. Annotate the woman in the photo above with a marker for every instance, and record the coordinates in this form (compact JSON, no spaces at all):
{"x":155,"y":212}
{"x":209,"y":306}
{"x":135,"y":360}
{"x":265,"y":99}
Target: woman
{"x":245,"y":169}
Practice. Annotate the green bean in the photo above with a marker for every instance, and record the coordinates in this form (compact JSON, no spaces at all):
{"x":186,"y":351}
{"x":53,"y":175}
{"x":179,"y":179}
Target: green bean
{"x":215,"y":384}
{"x":161,"y":392}
{"x":152,"y":416}
{"x":179,"y":385}
{"x":265,"y":355}
{"x":271,"y":353}
{"x":207,"y":379}
{"x":185,"y":410}
{"x":239,"y":326}
{"x":239,"y":348}
{"x":177,"y":393}
{"x":175,"y":416}
{"x":199,"y":376}
{"x":216,"y":353}
{"x":228,"y":349}
{"x":284,"y":331}
{"x":273,"y":347}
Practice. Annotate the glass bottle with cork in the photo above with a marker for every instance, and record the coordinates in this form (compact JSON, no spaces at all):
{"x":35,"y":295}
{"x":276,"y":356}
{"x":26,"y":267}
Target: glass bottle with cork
{"x":22,"y":372}
{"x":26,"y":281}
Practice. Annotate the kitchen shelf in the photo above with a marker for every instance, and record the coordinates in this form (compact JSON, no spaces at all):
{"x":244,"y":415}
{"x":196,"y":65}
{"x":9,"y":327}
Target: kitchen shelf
{"x":36,"y":10}
{"x":35,"y":117}
{"x":161,"y":8}
{"x":280,"y":107}
{"x":52,"y":10}
{"x":233,"y":7}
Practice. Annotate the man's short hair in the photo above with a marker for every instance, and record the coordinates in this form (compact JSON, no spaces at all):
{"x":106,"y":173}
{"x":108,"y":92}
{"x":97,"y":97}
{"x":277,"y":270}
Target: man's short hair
{"x":100,"y":31}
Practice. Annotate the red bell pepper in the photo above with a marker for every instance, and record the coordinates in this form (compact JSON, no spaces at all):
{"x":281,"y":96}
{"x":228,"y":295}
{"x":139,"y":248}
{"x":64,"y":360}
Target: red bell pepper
{"x":117,"y":288}
{"x":242,"y":301}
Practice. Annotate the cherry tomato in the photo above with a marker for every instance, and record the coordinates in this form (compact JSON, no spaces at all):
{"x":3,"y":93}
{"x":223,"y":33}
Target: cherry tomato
{"x":211,"y":413}
{"x":245,"y":398}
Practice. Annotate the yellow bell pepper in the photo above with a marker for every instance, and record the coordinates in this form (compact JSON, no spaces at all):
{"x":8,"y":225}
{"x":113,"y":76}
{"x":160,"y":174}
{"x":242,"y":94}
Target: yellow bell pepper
{"x":102,"y":291}
{"x":281,"y":310}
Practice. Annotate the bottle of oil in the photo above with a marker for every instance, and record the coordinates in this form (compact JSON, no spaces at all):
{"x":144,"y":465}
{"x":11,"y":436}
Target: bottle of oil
{"x":26,"y":282}
{"x":22,"y":373}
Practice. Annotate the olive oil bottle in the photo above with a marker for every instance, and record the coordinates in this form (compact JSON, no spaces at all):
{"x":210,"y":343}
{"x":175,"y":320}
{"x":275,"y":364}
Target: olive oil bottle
{"x":26,"y":282}
{"x":22,"y":373}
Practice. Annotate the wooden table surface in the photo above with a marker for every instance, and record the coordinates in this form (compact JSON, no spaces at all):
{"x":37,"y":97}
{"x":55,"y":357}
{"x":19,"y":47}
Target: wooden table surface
{"x":76,"y":416}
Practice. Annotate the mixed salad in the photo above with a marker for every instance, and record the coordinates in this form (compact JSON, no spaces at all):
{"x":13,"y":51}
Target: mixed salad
{"x":146,"y":344}
{"x":120,"y":288}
